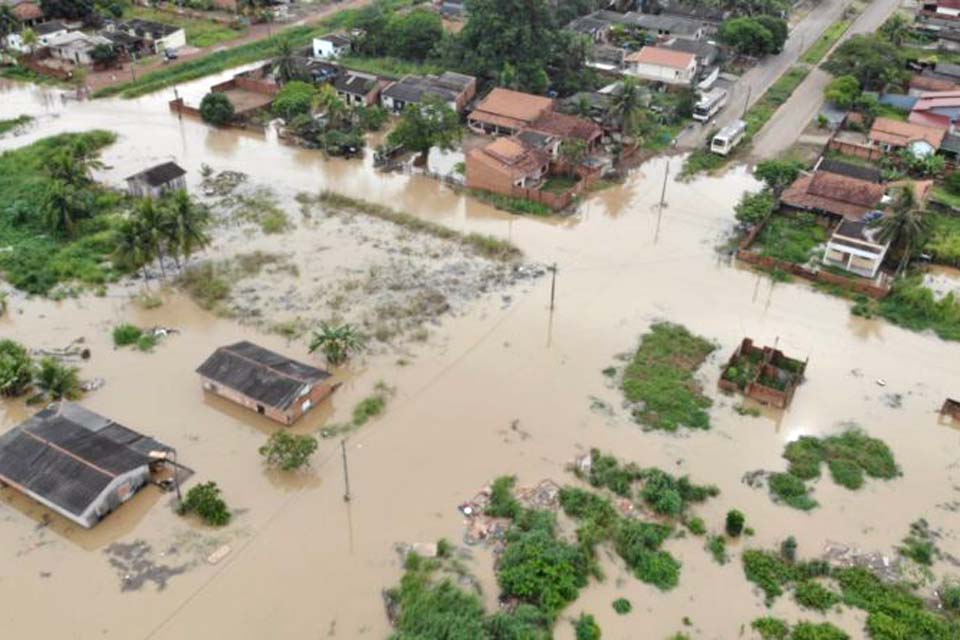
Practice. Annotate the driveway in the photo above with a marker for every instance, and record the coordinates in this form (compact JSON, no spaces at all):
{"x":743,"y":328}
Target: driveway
{"x":795,"y":114}
{"x":755,"y":82}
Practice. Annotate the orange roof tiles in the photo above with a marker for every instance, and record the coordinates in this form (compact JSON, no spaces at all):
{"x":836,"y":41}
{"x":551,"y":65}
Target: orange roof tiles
{"x":663,"y":57}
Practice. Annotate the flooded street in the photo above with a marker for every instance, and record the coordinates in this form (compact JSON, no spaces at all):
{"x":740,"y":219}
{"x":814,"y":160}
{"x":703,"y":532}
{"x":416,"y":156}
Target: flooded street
{"x":305,"y":564}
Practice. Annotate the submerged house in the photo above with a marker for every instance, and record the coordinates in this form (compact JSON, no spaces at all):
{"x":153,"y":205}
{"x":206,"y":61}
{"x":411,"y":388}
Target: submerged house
{"x":158,"y":180}
{"x":261,"y":380}
{"x":505,"y":112}
{"x":76,"y":462}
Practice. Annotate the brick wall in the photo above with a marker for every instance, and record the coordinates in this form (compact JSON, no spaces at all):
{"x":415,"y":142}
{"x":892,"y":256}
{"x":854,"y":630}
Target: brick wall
{"x":319,"y":392}
{"x":857,"y":286}
{"x":859,"y":151}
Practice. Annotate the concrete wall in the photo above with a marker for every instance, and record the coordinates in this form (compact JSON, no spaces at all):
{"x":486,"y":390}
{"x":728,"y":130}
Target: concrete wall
{"x":303,"y":404}
{"x":658,"y":73}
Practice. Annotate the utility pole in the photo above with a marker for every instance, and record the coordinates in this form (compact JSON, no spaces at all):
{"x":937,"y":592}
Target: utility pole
{"x":176,"y":479}
{"x":663,"y":201}
{"x":746,"y":103}
{"x":553,"y":284}
{"x":346,"y":473}
{"x":133,"y":65}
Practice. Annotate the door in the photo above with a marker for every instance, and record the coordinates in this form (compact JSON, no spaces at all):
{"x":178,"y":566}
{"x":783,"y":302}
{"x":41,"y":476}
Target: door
{"x":260,"y":409}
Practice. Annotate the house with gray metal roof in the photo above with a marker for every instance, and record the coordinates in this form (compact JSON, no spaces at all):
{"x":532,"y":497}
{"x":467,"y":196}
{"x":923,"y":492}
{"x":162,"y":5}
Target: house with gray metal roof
{"x":261,"y":380}
{"x":76,"y":462}
{"x":455,"y":89}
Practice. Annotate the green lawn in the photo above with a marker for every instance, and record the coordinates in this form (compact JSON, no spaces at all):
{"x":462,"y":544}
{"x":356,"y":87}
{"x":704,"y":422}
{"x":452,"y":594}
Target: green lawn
{"x":200,"y":33}
{"x":823,"y":44}
{"x":792,"y":238}
{"x":887,"y":111}
{"x":940,"y":194}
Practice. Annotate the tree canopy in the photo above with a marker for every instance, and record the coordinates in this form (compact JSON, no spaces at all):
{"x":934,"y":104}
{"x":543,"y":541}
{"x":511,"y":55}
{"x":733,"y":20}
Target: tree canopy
{"x":427,"y":125}
{"x":872,"y":60}
{"x":843,"y":91}
{"x":216,"y":109}
{"x":754,"y":36}
{"x":296,"y":98}
{"x":519,"y":44}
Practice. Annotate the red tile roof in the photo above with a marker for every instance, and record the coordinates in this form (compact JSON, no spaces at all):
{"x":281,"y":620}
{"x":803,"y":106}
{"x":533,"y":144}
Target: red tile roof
{"x":28,"y":11}
{"x":663,"y":57}
{"x":509,"y":156}
{"x":834,"y":193}
{"x":900,"y":134}
{"x":567,"y":127}
{"x":506,"y":108}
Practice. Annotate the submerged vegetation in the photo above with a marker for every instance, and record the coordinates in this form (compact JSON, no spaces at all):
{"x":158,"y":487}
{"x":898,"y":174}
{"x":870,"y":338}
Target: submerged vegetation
{"x":893,"y":610}
{"x":206,"y":501}
{"x":850,"y":457}
{"x":659,"y":380}
{"x":483,"y":245}
{"x":913,"y":306}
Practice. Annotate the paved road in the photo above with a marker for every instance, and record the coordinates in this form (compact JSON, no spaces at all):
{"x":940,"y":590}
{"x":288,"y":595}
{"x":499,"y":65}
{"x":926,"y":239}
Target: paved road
{"x":793,"y":116}
{"x":755,"y":82}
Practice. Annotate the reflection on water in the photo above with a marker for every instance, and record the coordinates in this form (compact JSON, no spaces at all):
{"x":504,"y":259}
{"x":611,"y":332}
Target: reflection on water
{"x":303,"y":560}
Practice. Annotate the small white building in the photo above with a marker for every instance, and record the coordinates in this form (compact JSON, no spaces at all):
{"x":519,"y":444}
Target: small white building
{"x":44,"y":31}
{"x":75,"y":47}
{"x":658,"y":64}
{"x":331,"y":46}
{"x":158,"y":36}
{"x":158,"y":180}
{"x":855,"y":247}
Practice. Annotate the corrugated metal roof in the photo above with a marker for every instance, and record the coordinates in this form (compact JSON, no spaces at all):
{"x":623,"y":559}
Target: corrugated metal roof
{"x":269,"y":378}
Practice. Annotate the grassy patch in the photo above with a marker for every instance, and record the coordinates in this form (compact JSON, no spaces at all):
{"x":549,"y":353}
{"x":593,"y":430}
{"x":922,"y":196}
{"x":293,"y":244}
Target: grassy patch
{"x":913,"y":306}
{"x":942,"y":195}
{"x":622,"y":606}
{"x":483,"y":245}
{"x":717,"y":546}
{"x":943,"y":242}
{"x":38,"y":259}
{"x":520,"y":206}
{"x":792,"y":238}
{"x":23,"y":74}
{"x":825,"y":42}
{"x":364,"y":411}
{"x":389,"y":67}
{"x":660,"y":382}
{"x":891,"y":112}
{"x":850,"y":456}
{"x":200,"y":32}
{"x":13,"y":124}
{"x":919,"y":544}
{"x":559,"y":184}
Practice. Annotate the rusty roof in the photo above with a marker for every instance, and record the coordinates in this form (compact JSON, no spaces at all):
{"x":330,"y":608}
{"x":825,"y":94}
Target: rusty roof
{"x":834,"y":193}
{"x":663,"y":57}
{"x":510,"y":108}
{"x":900,"y":134}
{"x":567,"y":127}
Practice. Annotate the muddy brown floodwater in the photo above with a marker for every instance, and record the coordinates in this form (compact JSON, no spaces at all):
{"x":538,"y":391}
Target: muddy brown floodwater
{"x":305,"y":564}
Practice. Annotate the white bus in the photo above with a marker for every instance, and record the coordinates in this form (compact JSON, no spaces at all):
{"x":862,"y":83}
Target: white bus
{"x":729,"y":137}
{"x":710,"y":104}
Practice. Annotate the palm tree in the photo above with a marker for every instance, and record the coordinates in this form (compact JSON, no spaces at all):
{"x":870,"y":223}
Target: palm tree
{"x":152,"y":225}
{"x":74,"y":164}
{"x":58,"y":381}
{"x":331,"y":104}
{"x":627,"y":104}
{"x":284,"y":64}
{"x":65,"y":206}
{"x":185,"y":225}
{"x":336,"y":342}
{"x":133,"y":248}
{"x":905,"y":227}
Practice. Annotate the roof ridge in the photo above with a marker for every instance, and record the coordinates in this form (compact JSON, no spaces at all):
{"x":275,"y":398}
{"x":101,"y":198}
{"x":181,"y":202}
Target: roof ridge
{"x":277,"y":371}
{"x":70,"y":454}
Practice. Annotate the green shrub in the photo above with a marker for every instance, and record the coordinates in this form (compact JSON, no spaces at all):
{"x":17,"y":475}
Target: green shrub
{"x":734,"y":523}
{"x":288,"y":451}
{"x":813,"y":595}
{"x":539,"y":569}
{"x":16,"y":368}
{"x":622,"y":606}
{"x":587,"y":628}
{"x":788,"y":549}
{"x":205,"y":500}
{"x":717,"y":546}
{"x":771,"y":628}
{"x":146,"y":342}
{"x":792,"y":491}
{"x":697,"y":526}
{"x":502,"y":502}
{"x":294,"y":99}
{"x":605,"y":471}
{"x":58,"y":381}
{"x":216,"y":109}
{"x":919,"y":545}
{"x":950,"y":595}
{"x":638,"y":544}
{"x":126,"y":334}
{"x":822,"y":631}
{"x":768,"y":571}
